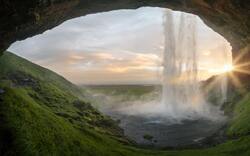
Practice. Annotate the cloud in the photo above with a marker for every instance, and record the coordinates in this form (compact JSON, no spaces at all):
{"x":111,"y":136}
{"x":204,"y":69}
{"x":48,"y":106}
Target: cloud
{"x":116,"y":46}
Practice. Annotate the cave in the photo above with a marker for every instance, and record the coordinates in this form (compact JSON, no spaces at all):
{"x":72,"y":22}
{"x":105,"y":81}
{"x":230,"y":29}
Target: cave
{"x":228,"y":18}
{"x":24,"y":19}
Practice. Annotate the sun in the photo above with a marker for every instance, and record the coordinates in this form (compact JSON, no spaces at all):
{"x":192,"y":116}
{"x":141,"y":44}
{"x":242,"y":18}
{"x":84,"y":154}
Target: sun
{"x":227,"y":68}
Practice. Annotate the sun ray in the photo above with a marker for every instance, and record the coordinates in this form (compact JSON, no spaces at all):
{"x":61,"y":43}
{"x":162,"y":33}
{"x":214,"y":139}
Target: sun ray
{"x":227,"y":68}
{"x":236,"y":82}
{"x":242,"y":65}
{"x":211,"y":85}
{"x":237,"y":59}
{"x":240,"y":70}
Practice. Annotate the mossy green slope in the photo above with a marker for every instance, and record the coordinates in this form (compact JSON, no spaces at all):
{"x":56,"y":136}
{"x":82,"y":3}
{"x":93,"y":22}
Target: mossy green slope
{"x":41,"y":113}
{"x":240,"y":124}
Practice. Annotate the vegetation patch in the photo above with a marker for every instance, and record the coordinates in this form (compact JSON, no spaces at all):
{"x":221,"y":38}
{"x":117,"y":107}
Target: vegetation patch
{"x":41,"y":113}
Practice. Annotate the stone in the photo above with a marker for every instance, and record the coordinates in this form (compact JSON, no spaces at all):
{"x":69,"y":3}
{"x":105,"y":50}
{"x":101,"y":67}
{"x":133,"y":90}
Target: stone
{"x":26,"y":18}
{"x":2,"y":91}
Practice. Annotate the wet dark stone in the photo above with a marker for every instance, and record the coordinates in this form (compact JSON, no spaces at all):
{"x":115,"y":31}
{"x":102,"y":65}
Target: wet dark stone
{"x":26,"y":18}
{"x":2,"y":91}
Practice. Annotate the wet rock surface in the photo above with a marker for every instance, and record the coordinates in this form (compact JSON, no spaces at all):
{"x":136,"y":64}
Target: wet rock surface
{"x":2,"y":91}
{"x":22,"y":80}
{"x":22,"y":19}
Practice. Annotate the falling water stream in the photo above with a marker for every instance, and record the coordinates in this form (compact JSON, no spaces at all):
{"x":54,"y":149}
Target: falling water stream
{"x":181,"y":96}
{"x":182,"y":116}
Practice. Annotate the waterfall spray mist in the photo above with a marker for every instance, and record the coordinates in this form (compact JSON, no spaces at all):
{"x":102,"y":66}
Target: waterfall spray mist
{"x":224,"y":80}
{"x":181,"y":95}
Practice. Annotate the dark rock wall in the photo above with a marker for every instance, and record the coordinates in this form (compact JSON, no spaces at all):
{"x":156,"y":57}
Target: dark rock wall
{"x":25,"y":18}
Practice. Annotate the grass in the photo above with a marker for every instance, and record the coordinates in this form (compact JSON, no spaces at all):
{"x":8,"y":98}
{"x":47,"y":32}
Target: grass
{"x":128,"y":90}
{"x":41,"y":113}
{"x":240,"y":125}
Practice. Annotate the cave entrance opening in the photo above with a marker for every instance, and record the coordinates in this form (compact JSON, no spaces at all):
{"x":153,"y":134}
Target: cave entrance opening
{"x":117,"y":58}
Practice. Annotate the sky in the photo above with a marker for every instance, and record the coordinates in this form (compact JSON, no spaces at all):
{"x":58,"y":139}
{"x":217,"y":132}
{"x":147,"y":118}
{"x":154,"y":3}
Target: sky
{"x":117,"y":47}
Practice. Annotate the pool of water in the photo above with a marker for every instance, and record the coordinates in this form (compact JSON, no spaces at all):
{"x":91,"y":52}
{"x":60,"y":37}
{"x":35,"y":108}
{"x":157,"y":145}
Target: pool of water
{"x":161,"y":132}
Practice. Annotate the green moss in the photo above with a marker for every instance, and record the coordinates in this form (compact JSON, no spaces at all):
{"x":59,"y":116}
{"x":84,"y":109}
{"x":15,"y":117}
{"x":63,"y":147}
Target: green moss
{"x":37,"y":131}
{"x":43,"y":114}
{"x":241,"y":117}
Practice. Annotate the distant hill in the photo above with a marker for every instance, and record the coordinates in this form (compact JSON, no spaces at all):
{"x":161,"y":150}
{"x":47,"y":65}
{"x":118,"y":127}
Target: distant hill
{"x":41,"y":113}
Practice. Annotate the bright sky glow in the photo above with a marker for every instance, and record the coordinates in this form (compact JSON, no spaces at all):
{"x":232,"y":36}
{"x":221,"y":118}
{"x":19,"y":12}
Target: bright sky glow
{"x":123,"y":46}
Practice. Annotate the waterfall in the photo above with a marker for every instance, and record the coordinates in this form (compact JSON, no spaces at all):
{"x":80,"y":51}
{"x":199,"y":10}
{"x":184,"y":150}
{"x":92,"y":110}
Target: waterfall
{"x":181,"y":96}
{"x":224,"y":79}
